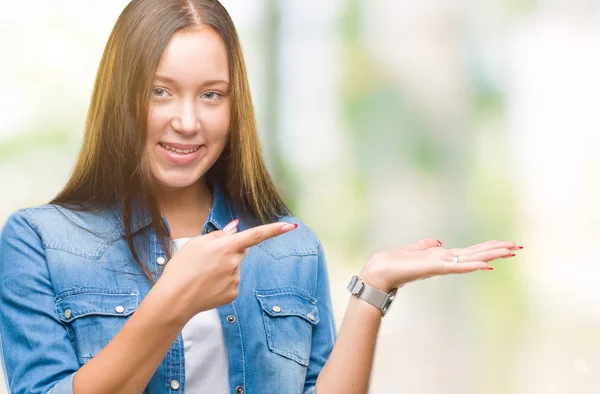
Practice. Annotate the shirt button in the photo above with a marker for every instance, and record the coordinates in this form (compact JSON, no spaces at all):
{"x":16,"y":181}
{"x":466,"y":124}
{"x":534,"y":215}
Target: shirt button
{"x":276,"y":309}
{"x":239,"y":390}
{"x":68,"y":313}
{"x":174,"y":384}
{"x":160,"y":260}
{"x":120,"y":309}
{"x":310,"y":316}
{"x":231,"y":319}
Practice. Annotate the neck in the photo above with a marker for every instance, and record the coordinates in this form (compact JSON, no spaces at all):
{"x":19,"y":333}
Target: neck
{"x":186,"y":208}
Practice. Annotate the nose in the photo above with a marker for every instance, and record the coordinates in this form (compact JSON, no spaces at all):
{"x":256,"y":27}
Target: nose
{"x":186,"y":121}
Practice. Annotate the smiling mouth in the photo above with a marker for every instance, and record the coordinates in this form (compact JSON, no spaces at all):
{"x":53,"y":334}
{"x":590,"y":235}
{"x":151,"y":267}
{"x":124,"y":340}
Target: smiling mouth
{"x":180,"y":151}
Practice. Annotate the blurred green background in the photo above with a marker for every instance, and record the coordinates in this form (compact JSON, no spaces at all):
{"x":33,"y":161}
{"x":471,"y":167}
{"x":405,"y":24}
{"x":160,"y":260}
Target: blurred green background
{"x":384,"y":122}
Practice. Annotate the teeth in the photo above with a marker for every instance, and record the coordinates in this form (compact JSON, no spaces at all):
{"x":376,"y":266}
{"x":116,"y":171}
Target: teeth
{"x":179,"y":150}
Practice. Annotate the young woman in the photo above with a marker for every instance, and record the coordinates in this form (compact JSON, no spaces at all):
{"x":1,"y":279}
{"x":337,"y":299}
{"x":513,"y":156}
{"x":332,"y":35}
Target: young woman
{"x":169,"y":263}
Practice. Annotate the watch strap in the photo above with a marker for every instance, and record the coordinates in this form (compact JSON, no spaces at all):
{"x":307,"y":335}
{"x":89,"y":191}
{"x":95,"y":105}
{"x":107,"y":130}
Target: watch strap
{"x":372,"y":295}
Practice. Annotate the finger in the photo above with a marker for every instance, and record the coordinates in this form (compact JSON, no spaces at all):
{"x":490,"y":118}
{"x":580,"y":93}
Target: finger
{"x":231,"y":228}
{"x":424,"y":244}
{"x":488,"y":255}
{"x":489,"y":245}
{"x":256,"y":235}
{"x":462,"y":268}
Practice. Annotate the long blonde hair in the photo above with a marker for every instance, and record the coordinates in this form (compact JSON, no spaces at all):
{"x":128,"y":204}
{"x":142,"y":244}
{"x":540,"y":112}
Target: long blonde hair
{"x":111,"y":168}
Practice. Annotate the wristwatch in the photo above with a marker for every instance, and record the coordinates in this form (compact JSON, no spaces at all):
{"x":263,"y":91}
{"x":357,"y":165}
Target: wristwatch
{"x":379,"y":299}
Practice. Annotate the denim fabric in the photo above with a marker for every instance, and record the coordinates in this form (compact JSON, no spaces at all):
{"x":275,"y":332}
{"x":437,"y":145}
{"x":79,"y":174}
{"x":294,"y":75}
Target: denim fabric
{"x":68,"y":284}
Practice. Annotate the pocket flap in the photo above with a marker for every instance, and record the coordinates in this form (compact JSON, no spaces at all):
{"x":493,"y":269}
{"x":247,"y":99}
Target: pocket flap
{"x":84,"y":302}
{"x":288,"y":302}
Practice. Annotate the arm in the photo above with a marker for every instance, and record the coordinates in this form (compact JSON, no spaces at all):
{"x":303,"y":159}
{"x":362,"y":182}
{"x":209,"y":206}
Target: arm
{"x":131,"y":358}
{"x":37,"y":353}
{"x":348,"y":369}
{"x":36,"y":350}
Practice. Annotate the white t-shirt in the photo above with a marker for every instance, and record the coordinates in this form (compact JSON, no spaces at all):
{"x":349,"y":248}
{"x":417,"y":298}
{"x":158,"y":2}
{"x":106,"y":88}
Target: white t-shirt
{"x":204,"y":351}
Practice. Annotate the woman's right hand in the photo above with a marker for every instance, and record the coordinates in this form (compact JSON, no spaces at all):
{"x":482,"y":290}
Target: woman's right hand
{"x":205,"y":273}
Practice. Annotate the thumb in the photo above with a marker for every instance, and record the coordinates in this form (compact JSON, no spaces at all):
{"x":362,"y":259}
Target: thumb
{"x":424,"y":244}
{"x":231,"y":228}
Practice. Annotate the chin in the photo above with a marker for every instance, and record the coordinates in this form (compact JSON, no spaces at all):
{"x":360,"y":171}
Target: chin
{"x":176,"y":180}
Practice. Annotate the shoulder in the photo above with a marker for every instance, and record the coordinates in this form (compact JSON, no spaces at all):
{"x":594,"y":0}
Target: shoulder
{"x":25,"y":221}
{"x":57,"y":227}
{"x":300,"y":242}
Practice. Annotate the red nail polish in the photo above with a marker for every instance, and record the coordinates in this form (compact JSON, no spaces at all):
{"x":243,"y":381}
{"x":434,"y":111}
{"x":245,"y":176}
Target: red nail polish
{"x":490,"y":269}
{"x":512,"y":255}
{"x":295,"y":225}
{"x":439,"y":242}
{"x":520,"y":247}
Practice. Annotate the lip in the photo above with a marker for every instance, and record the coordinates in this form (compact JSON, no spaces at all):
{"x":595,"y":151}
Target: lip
{"x":181,"y":146}
{"x":179,"y":158}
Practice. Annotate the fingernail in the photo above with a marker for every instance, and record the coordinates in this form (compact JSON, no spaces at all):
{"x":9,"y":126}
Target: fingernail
{"x":289,"y":227}
{"x":512,"y":255}
{"x":231,"y":226}
{"x":439,"y":242}
{"x":520,"y":247}
{"x":487,"y":269}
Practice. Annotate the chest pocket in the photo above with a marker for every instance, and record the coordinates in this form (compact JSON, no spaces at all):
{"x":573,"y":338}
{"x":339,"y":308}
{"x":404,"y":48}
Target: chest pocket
{"x":94,"y":316}
{"x":289,"y":316}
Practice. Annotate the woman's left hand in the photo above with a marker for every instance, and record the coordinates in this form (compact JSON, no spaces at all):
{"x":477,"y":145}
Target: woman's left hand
{"x":393,"y":268}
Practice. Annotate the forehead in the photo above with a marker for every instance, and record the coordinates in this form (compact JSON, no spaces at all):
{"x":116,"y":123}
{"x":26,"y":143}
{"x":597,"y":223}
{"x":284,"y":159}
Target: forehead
{"x":193,"y":56}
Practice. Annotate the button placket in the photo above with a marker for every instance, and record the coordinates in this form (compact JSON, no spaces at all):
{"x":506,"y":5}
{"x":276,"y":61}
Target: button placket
{"x":234,"y":344}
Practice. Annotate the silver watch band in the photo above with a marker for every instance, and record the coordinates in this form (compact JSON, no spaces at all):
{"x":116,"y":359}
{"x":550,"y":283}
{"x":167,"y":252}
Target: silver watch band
{"x":377,"y":298}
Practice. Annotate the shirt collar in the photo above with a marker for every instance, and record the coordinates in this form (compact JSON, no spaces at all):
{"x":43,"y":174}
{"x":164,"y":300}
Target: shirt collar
{"x":222,"y":212}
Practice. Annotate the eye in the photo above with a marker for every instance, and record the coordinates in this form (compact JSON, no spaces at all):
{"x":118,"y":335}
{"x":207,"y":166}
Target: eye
{"x":159,"y":92}
{"x":212,"y":95}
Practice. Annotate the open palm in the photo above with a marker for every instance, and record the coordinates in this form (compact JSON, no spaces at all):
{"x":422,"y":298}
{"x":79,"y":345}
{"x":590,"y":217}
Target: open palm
{"x":395,"y":267}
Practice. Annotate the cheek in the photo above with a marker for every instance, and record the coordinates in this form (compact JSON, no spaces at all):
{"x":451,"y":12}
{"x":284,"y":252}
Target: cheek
{"x":157,"y":121}
{"x":217,"y":126}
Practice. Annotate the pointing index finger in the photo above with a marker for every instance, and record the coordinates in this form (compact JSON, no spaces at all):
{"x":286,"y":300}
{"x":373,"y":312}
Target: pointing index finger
{"x":256,"y":235}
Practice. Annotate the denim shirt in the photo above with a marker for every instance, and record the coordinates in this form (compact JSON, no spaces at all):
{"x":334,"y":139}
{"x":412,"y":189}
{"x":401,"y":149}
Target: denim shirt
{"x":68,"y":284}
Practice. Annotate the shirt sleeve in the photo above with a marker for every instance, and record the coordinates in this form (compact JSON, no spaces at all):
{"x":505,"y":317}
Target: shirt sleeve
{"x":37,"y":354}
{"x":324,"y":333}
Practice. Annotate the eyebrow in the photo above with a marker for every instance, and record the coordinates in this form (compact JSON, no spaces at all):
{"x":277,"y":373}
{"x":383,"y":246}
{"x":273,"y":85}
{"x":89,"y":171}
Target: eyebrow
{"x":210,"y":82}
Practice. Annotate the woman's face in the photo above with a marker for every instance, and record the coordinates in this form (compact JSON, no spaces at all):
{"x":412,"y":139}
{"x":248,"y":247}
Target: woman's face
{"x":189,"y":110}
